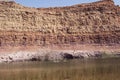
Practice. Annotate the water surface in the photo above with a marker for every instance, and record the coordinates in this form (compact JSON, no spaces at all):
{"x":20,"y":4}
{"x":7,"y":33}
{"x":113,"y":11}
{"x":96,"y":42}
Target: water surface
{"x":84,"y":69}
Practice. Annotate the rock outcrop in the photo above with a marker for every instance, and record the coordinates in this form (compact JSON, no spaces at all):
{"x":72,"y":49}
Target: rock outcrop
{"x":55,"y":55}
{"x":87,"y":27}
{"x":92,"y":23}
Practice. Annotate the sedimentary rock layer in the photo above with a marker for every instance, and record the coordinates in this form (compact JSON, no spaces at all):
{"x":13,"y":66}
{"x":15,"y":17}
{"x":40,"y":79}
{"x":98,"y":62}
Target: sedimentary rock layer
{"x":78,"y":31}
{"x":92,"y":23}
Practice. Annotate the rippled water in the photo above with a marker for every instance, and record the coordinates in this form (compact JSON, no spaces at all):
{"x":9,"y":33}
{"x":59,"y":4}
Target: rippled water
{"x":85,"y":69}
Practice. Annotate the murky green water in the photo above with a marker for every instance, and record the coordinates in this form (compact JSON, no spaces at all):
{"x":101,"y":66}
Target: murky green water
{"x":87,"y":69}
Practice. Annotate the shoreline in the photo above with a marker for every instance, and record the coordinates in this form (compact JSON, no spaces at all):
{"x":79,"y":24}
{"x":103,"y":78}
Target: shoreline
{"x":54,"y":55}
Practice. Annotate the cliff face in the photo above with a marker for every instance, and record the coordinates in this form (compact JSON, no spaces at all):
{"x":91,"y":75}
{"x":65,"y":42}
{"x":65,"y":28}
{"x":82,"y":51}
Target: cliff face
{"x":92,"y":23}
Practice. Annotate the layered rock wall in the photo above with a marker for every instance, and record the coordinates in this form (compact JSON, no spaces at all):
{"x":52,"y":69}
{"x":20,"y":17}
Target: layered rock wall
{"x":92,"y":23}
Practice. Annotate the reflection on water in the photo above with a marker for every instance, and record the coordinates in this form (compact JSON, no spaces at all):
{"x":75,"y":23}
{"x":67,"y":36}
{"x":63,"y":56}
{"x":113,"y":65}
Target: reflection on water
{"x":85,"y":69}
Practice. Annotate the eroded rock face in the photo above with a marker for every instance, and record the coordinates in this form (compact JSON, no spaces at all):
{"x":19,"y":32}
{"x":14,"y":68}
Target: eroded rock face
{"x":93,"y":23}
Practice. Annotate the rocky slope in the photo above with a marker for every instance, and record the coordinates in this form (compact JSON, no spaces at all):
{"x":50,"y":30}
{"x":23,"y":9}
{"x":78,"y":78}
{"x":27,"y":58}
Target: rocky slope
{"x":92,"y":24}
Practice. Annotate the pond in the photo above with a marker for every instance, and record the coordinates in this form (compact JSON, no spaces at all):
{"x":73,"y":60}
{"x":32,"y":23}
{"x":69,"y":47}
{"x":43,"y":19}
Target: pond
{"x":83,"y":69}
